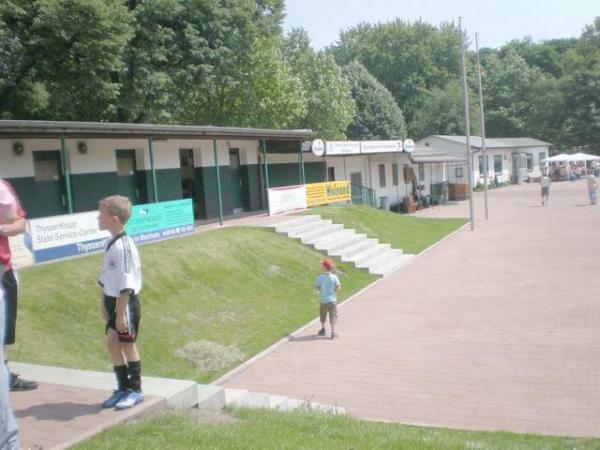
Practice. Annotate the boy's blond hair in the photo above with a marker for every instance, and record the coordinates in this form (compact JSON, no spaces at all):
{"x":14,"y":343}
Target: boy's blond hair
{"x":118,"y":206}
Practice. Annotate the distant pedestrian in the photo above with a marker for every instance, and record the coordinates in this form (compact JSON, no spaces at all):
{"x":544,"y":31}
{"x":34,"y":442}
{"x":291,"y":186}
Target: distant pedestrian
{"x":121,"y":282}
{"x":327,"y":284}
{"x":592,"y":185}
{"x":545,"y":183}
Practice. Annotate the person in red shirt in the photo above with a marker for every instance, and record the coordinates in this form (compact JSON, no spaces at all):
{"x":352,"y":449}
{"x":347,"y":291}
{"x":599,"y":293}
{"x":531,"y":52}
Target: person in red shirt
{"x":12,"y":223}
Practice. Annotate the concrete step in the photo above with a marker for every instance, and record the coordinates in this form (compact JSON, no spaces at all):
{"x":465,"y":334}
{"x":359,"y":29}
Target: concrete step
{"x":307,"y":227}
{"x":211,"y":397}
{"x":341,"y":244}
{"x":380,"y":260}
{"x":311,"y":236}
{"x":326,"y":243}
{"x":356,"y":248}
{"x":394,"y":265}
{"x":283,"y":227}
{"x":260,"y":400}
{"x":359,"y":258}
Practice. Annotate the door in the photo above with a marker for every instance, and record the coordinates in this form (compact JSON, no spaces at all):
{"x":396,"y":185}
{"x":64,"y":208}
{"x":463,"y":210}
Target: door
{"x":188,"y":174}
{"x":235,"y":180}
{"x":127,"y":179}
{"x":356,"y":178}
{"x":50,"y":192}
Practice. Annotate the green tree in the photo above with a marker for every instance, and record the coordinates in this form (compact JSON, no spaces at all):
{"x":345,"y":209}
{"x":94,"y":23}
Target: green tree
{"x":330,"y":107}
{"x":408,"y":59}
{"x":443,"y":112}
{"x":60,"y":58}
{"x":377,"y":116}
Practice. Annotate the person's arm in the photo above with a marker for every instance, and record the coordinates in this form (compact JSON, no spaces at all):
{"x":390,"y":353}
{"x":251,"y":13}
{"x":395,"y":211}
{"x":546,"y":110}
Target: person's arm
{"x":123,"y":300}
{"x":14,"y":227}
{"x":102,"y":307}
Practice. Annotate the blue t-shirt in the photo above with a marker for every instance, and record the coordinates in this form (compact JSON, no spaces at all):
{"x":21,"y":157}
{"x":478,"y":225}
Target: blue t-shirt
{"x":326,"y":284}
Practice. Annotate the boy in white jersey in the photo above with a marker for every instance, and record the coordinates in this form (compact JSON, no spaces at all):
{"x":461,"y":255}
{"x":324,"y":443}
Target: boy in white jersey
{"x":121,"y":282}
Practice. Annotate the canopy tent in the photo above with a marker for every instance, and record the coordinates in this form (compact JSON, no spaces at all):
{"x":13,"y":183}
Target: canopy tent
{"x":575,"y":157}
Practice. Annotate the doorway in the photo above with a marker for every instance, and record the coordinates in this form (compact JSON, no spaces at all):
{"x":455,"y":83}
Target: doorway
{"x":188,"y":174}
{"x":51,"y":196}
{"x":128,"y":180}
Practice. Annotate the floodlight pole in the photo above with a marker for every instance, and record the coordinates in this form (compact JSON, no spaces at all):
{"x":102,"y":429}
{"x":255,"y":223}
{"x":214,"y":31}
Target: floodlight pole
{"x":483,"y":146}
{"x":467,"y":123}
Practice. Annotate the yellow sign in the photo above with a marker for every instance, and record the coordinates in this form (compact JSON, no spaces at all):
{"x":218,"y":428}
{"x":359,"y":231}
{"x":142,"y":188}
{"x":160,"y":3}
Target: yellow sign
{"x":331,"y":192}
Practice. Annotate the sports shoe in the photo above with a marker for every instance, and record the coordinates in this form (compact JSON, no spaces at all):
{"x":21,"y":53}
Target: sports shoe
{"x":132,"y":398}
{"x":19,"y":384}
{"x":321,"y":332}
{"x":115,"y":398}
{"x":333,"y":335}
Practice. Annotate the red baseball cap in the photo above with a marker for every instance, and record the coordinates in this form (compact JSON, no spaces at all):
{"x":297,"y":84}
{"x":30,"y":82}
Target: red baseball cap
{"x":327,"y":263}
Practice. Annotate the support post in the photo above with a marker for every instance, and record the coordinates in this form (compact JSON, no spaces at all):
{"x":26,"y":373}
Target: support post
{"x":469,"y":153}
{"x":153,"y":170}
{"x":66,"y":163}
{"x":266,"y":162}
{"x":219,"y":196}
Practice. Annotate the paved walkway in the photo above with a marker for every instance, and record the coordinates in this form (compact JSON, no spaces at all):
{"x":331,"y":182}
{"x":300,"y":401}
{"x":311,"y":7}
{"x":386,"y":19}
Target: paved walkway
{"x":495,"y":329}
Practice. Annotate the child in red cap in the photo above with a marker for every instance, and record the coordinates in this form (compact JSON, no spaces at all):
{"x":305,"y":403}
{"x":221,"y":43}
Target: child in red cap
{"x":327,"y":284}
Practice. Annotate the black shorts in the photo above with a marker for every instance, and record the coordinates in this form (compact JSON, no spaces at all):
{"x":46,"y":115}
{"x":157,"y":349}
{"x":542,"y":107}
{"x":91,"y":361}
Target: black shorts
{"x":133,"y":314}
{"x":11,"y":289}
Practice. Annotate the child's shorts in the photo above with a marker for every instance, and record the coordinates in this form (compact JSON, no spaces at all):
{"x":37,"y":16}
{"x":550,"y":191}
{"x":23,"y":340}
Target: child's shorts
{"x":330,"y":308}
{"x":133,"y":315}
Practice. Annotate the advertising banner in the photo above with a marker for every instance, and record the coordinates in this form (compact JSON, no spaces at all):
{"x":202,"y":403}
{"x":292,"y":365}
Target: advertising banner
{"x":342,"y":148}
{"x":330,"y":192}
{"x":288,"y":198}
{"x":380,"y":146}
{"x":76,"y":234}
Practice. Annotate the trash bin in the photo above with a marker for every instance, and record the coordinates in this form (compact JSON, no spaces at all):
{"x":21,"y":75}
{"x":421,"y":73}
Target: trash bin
{"x":384,"y":202}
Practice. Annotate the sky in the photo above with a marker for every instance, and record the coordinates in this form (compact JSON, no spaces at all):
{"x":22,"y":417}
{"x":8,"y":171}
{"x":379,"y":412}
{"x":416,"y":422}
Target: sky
{"x":497,"y":22}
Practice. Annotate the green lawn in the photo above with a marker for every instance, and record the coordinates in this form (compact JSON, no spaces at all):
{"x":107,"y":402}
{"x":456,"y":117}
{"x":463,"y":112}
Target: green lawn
{"x":270,"y":430}
{"x":240,"y":287}
{"x":412,"y":234}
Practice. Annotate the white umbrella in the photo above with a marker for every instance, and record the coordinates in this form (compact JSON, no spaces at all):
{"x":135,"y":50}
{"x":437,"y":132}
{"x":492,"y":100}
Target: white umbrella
{"x":584,"y":157}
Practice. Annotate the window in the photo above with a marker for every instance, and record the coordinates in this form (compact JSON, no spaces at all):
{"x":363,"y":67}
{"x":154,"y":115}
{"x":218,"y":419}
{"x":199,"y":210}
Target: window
{"x":395,"y":174}
{"x":458,"y":172}
{"x":498,"y":164}
{"x":542,"y":157}
{"x":382,"y":175}
{"x":125,"y":162}
{"x":530,"y":162}
{"x":481,"y":170}
{"x":421,"y":172}
{"x":331,"y":173}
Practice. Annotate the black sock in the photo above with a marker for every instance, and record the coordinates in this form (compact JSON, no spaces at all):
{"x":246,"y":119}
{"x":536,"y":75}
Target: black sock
{"x":121,"y":374}
{"x":135,"y":375}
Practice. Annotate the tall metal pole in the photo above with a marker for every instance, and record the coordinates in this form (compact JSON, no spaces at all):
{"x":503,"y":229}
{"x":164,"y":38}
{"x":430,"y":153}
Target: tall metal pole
{"x":216,"y":153}
{"x":467,"y":123}
{"x":483,"y":147}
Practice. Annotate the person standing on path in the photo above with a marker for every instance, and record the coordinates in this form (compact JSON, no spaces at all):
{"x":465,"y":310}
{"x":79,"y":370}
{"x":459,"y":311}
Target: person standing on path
{"x":121,"y":282}
{"x":12,"y":223}
{"x":9,"y":434}
{"x":545,"y":183}
{"x":327,"y":284}
{"x":592,"y":185}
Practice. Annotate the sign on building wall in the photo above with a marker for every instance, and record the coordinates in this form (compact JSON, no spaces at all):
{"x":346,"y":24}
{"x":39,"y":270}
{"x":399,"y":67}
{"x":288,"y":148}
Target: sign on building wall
{"x":342,"y":148}
{"x":77,"y":234}
{"x":324,"y":193}
{"x":380,"y":146}
{"x":287,"y":198}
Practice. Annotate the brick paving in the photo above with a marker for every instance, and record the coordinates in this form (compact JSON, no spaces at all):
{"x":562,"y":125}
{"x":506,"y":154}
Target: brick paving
{"x":55,"y":416}
{"x":496,"y":329}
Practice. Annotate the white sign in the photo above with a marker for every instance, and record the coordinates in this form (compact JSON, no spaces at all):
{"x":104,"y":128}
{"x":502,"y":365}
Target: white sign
{"x":380,"y":146}
{"x":343,"y":148}
{"x":288,"y":198}
{"x":57,"y":231}
{"x":318,"y":147}
{"x":409,"y":145}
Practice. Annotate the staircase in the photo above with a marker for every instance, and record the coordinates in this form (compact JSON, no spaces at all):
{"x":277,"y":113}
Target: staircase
{"x":335,"y":240}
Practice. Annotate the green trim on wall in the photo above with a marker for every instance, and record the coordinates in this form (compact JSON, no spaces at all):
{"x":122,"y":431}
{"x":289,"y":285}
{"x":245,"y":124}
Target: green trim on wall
{"x":250,"y":187}
{"x":288,"y":174}
{"x":169,"y":184}
{"x":89,"y":188}
{"x":206,"y":189}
